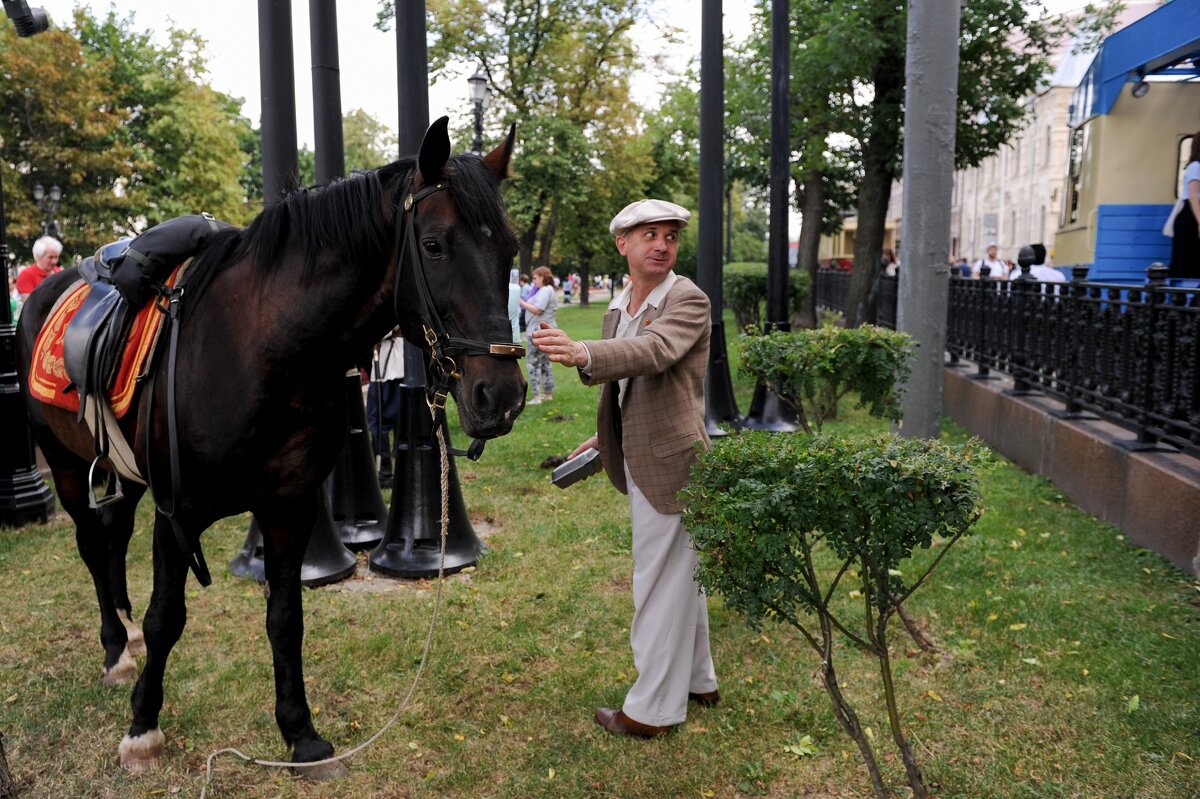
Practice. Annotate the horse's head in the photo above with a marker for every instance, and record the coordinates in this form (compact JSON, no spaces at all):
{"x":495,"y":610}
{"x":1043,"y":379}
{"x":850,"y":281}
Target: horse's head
{"x":452,"y":292}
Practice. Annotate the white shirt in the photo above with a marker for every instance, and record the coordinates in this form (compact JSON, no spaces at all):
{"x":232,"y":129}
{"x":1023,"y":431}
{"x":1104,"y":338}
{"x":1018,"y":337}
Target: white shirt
{"x":625,"y":324}
{"x":1190,"y":173}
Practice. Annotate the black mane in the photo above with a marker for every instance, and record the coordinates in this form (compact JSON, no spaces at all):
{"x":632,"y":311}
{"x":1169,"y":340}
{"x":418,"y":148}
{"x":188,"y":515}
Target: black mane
{"x":348,"y":216}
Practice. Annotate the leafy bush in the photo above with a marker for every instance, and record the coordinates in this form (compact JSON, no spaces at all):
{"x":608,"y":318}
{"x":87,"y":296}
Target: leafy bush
{"x":811,"y":370}
{"x":744,"y":290}
{"x":781,"y":522}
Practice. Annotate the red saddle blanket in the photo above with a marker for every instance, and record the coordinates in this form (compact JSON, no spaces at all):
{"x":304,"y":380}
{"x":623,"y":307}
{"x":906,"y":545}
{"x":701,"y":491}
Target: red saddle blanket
{"x":48,"y":375}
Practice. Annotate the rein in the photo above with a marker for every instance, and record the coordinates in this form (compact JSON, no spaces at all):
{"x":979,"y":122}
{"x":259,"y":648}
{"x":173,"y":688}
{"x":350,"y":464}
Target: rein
{"x":442,"y":347}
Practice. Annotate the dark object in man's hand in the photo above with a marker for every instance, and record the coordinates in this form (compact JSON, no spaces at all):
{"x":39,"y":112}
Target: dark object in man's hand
{"x":582,"y":466}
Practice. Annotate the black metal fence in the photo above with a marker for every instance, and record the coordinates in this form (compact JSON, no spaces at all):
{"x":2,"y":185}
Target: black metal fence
{"x":1128,"y":354}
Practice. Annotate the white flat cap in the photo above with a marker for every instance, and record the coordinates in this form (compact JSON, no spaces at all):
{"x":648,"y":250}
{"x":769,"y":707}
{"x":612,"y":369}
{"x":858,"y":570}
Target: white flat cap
{"x":646,"y":211}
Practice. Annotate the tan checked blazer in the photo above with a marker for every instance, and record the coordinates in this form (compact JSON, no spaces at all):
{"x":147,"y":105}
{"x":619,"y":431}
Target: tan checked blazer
{"x":663,"y":414}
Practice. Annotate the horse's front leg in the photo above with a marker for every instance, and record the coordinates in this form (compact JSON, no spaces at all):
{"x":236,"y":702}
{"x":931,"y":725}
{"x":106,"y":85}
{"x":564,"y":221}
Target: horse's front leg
{"x":163,"y":625}
{"x":286,"y":528}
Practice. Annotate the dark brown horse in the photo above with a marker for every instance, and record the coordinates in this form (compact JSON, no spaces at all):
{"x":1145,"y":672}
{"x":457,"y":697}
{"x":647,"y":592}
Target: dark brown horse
{"x":288,"y":305}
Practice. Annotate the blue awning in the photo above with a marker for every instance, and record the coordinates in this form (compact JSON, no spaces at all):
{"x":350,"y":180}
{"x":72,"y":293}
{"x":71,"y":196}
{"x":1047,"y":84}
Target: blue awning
{"x":1157,"y":44}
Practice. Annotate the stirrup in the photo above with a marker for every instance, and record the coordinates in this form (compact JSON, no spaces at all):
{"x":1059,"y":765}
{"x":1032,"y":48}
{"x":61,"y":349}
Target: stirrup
{"x":116,"y":496}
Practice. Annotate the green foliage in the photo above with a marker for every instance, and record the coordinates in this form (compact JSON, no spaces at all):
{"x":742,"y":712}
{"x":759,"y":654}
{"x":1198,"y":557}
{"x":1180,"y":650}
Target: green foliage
{"x":561,"y":71}
{"x":811,"y":370}
{"x":744,"y":289}
{"x":760,"y":505}
{"x":189,"y":138}
{"x":129,"y":129}
{"x":778,"y":521}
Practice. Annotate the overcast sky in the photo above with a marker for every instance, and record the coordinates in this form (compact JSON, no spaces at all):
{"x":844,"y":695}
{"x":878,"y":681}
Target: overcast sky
{"x":368,"y":56}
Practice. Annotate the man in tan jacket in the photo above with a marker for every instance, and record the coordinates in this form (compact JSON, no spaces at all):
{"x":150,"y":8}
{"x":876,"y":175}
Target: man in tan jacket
{"x":650,"y":366}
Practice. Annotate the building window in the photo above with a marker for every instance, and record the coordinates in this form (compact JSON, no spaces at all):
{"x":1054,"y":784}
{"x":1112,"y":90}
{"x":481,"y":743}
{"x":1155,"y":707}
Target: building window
{"x":1074,"y":164}
{"x":1046,"y":152}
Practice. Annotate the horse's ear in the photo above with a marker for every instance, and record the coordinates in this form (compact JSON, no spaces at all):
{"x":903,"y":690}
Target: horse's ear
{"x":435,"y":150}
{"x":497,"y":160}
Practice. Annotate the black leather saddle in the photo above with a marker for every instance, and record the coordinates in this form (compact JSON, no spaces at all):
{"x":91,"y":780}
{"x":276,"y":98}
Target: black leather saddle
{"x":124,"y":276}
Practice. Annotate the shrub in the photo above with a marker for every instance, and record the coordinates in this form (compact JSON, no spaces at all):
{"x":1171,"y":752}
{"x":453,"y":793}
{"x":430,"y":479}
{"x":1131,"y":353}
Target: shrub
{"x":783,"y":522}
{"x":811,"y":370}
{"x":744,"y":291}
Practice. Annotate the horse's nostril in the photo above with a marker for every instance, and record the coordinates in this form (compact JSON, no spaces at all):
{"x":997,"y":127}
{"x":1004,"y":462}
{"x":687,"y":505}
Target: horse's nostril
{"x":484,"y":397}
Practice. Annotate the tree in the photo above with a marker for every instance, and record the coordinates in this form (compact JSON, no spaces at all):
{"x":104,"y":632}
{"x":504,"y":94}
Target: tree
{"x":129,"y":129}
{"x":561,"y":72}
{"x":366,"y":144}
{"x":188,"y":137}
{"x":58,"y":128}
{"x":848,"y":86}
{"x":784,"y":525}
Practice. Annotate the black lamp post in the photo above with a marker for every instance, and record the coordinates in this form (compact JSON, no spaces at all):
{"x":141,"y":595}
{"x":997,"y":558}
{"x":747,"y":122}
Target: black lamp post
{"x":480,"y":96}
{"x":48,"y":202}
{"x":24,"y":496}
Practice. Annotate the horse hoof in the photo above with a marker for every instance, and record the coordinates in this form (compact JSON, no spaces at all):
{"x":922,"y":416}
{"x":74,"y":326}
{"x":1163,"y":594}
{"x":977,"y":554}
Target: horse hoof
{"x":142,"y":752}
{"x":135,"y":640}
{"x":325,"y":772}
{"x":123,"y":673}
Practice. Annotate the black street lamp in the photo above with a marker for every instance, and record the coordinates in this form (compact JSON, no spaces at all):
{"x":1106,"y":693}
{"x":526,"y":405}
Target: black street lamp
{"x":24,"y":496}
{"x":481,"y":97}
{"x":49,"y":203}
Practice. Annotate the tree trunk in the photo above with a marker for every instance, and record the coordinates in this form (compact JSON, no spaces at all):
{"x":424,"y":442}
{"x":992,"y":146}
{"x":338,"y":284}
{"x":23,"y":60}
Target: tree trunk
{"x":913,"y":771}
{"x":585,"y":278}
{"x":8,"y":788}
{"x":529,"y":236}
{"x":880,"y":152}
{"x":548,"y":232}
{"x":809,"y":246}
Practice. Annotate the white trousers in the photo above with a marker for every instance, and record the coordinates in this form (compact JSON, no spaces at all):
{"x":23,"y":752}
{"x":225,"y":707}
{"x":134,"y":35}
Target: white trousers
{"x":669,"y":632}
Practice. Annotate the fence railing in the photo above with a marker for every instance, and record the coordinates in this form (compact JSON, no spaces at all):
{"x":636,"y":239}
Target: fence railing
{"x":1126,"y":353}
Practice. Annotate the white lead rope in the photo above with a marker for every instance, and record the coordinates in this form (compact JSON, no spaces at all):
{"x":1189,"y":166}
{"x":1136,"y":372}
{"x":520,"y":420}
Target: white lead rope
{"x":437,"y":600}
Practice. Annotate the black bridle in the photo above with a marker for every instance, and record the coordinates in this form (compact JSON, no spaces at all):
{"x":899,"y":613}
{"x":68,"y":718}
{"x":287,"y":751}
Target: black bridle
{"x":442,"y":346}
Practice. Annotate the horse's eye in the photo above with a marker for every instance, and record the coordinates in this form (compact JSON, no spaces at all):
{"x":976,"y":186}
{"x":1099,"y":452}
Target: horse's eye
{"x":432,"y":248}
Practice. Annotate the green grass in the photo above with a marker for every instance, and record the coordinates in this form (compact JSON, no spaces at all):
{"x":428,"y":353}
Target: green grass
{"x":536,"y":637}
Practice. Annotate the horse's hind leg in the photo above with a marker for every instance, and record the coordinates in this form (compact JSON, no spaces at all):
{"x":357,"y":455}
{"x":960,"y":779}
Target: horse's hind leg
{"x":286,"y":529}
{"x":121,"y":526}
{"x":102,"y":539}
{"x":165,"y":618}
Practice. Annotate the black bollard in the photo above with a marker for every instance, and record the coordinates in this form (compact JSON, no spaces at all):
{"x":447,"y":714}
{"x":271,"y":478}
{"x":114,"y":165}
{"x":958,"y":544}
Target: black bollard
{"x":326,"y":560}
{"x":359,"y":513}
{"x":411,"y":544}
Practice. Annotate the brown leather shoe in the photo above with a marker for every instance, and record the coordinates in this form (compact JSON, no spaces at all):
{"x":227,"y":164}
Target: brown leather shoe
{"x":706,"y":699}
{"x":616,"y":721}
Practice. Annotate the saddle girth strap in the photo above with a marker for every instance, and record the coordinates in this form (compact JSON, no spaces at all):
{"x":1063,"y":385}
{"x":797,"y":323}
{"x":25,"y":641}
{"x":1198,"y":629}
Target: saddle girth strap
{"x":193,"y":554}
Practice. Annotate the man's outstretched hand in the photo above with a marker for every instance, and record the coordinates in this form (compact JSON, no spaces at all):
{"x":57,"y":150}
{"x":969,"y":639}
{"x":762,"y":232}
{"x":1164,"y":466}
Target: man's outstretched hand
{"x":559,"y":346}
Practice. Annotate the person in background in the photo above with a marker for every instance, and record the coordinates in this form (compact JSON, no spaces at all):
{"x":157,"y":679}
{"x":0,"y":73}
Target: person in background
{"x":650,"y":366}
{"x":1185,"y":244}
{"x":541,"y":307}
{"x":46,"y":252}
{"x":514,"y":304}
{"x":567,"y":286}
{"x":889,"y":264}
{"x":999,"y":269}
{"x":383,"y":401}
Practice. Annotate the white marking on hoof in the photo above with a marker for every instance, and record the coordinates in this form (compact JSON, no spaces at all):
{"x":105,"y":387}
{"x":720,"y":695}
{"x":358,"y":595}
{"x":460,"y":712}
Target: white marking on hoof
{"x":142,"y":753}
{"x":324,"y":773}
{"x":123,"y":673}
{"x":136,"y":642}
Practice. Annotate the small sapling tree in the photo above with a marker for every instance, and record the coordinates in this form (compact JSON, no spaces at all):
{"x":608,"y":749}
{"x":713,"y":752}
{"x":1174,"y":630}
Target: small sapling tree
{"x":786,"y":526}
{"x":811,"y":370}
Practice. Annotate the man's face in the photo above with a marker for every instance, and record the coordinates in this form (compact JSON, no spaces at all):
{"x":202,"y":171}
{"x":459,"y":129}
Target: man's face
{"x":48,"y":262}
{"x":650,"y":250}
{"x":991,"y":253}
